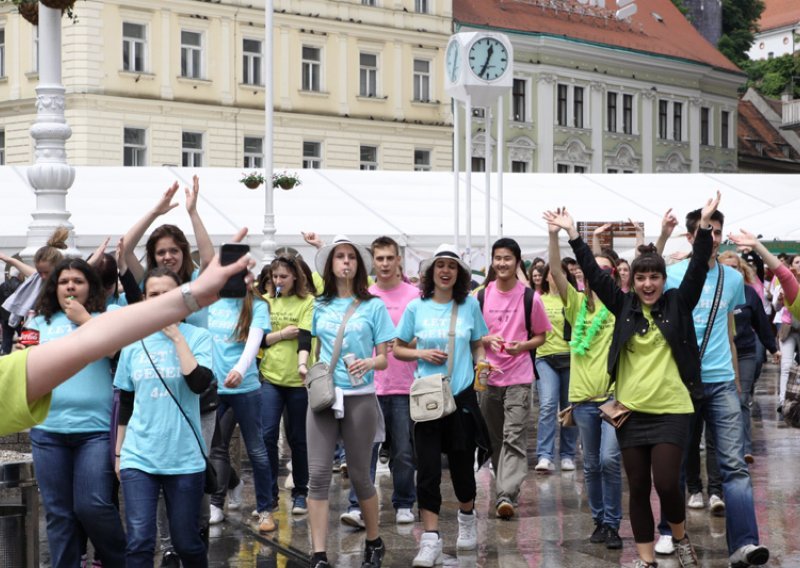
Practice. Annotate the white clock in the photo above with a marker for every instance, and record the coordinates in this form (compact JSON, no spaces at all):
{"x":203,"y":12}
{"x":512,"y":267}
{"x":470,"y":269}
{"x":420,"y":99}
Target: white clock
{"x":478,"y":66}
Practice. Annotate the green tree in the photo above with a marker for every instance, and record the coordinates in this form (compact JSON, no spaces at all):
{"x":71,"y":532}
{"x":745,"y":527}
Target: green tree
{"x":682,"y":7}
{"x":739,"y":26}
{"x":773,"y":77}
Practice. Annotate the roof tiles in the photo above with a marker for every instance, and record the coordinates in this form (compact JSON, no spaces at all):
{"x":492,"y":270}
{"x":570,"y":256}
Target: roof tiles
{"x":779,"y":13}
{"x":758,"y":138}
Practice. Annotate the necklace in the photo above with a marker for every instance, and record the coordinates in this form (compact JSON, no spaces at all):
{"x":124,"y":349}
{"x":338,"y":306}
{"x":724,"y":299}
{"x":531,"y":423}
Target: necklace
{"x":581,"y":337}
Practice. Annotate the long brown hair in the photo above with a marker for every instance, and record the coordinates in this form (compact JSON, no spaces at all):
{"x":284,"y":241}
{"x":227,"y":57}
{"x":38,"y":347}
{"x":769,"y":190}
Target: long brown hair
{"x":242,"y":329}
{"x":174,"y":233}
{"x":47,"y":304}
{"x":360,"y":282}
{"x":300,"y":288}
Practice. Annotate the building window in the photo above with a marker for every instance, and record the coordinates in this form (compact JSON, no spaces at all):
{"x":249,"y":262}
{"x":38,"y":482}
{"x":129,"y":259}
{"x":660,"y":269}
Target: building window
{"x":478,"y":112}
{"x":663,"y":109}
{"x":570,"y":169}
{"x":368,"y":75}
{"x":611,"y":112}
{"x":2,"y":52}
{"x":518,"y":100}
{"x":191,"y":54}
{"x":368,"y":157}
{"x":312,"y":155}
{"x":627,"y":114}
{"x":192,"y":150}
{"x":134,"y":43}
{"x":368,"y":3}
{"x":478,"y":164}
{"x":312,"y":68}
{"x":253,"y":152}
{"x":251,"y":62}
{"x":561,"y":109}
{"x":519,"y":167}
{"x":704,"y":126}
{"x":2,"y":147}
{"x":422,"y":6}
{"x":134,"y":148}
{"x":422,"y":160}
{"x":422,"y":80}
{"x":726,"y":125}
{"x":677,"y":121}
{"x":577,"y":106}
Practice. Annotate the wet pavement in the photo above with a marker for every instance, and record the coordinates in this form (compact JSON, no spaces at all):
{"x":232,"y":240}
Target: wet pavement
{"x":552,"y":525}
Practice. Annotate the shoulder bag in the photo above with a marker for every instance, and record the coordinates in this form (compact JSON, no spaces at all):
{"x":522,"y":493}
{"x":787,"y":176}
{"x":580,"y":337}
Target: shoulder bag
{"x":210,"y":486}
{"x":431,"y":397}
{"x":319,"y":380}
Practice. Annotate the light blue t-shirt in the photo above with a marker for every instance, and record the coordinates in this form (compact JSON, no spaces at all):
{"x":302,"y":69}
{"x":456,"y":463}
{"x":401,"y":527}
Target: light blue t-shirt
{"x":369,"y":326}
{"x":717,"y":363}
{"x":83,"y":402}
{"x":429,"y":322}
{"x":222,"y":317}
{"x":158,"y":439}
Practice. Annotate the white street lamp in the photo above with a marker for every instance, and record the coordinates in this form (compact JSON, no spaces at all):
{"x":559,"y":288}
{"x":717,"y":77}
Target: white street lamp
{"x":268,"y":245}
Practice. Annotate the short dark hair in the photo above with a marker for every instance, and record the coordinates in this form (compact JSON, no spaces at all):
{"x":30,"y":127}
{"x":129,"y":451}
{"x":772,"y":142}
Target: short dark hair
{"x":693,"y":218}
{"x":384,"y":242}
{"x":648,"y":261}
{"x":510,"y":244}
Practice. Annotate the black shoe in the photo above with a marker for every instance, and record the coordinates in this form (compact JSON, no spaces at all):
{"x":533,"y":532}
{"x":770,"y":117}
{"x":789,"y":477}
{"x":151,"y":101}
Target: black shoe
{"x":373,"y":555}
{"x":170,"y":560}
{"x":613,"y":541}
{"x":383,"y":453}
{"x":599,"y":534}
{"x":321,"y":564}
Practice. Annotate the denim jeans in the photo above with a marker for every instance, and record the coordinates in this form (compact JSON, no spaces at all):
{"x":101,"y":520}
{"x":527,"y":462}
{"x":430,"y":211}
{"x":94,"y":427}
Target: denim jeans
{"x":748,"y":366}
{"x":694,"y":481}
{"x":183,"y":495}
{"x":401,"y":452}
{"x":601,"y":464}
{"x":553,"y":394}
{"x":247,"y":413}
{"x":76,"y":482}
{"x":274,"y":399}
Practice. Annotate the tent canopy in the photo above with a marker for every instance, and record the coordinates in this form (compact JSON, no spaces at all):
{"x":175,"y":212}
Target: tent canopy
{"x":416,"y":208}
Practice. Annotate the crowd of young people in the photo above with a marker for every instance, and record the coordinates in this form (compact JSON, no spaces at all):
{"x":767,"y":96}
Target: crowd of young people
{"x":590,"y":334}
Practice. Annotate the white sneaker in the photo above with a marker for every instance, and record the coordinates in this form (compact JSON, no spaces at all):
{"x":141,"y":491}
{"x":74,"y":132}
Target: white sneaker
{"x":254,"y":513}
{"x":404,"y":517}
{"x":696,"y":501}
{"x":716,"y":505}
{"x":544,"y":465}
{"x":235,"y":496}
{"x":352,"y":519}
{"x":664,"y":545}
{"x":749,"y":555}
{"x":467,"y":531}
{"x":216,"y":515}
{"x":430,"y":551}
{"x":567,"y":464}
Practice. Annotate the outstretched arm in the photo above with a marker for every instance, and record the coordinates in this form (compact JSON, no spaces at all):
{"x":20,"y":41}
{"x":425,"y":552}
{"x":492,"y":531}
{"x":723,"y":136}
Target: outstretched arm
{"x":135,"y":233}
{"x":23,"y":268}
{"x":596,"y":248}
{"x":204,"y":245}
{"x":692,"y":284}
{"x":52,"y":363}
{"x":785,"y":276}
{"x":554,"y":258}
{"x":668,"y":224}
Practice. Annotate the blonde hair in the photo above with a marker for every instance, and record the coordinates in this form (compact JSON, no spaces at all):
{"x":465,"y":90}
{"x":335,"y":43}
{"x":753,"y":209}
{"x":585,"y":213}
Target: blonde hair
{"x":51,"y":252}
{"x":741,"y":265}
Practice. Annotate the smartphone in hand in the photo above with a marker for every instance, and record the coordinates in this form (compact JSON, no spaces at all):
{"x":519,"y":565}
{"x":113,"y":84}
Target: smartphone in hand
{"x":235,"y":287}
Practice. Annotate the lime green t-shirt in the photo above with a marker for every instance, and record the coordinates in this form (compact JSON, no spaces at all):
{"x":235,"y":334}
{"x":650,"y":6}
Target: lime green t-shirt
{"x":588,"y":373}
{"x":15,"y":412}
{"x":648,"y":379}
{"x":279,"y":363}
{"x":554,"y":340}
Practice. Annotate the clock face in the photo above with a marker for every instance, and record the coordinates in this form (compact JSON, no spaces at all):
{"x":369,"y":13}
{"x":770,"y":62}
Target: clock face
{"x":453,"y":61}
{"x":488,"y":58}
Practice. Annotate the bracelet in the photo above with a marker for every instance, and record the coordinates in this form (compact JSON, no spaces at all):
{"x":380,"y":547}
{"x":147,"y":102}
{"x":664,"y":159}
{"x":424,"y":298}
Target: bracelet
{"x":280,"y":335}
{"x":117,"y":455}
{"x":188,"y":298}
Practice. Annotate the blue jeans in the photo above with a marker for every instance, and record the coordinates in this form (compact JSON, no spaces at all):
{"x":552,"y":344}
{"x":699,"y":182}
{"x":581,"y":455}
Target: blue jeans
{"x":401,"y":453}
{"x":748,"y":367}
{"x":183,"y":495}
{"x":76,"y":482}
{"x":274,"y":399}
{"x":553,"y":393}
{"x":247,"y":413}
{"x":601,"y":464}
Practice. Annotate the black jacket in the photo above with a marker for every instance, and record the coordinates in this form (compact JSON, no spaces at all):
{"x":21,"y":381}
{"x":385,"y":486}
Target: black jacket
{"x":751,"y":320}
{"x":672,"y":313}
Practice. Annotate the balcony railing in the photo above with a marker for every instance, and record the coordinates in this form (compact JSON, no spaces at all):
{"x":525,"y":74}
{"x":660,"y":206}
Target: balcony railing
{"x":791,"y":114}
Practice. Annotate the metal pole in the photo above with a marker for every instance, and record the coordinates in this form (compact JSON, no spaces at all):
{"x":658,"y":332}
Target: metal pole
{"x":456,"y":168}
{"x":501,"y":164}
{"x":487,"y":200}
{"x":51,"y":176}
{"x":268,"y":245}
{"x":468,"y":177}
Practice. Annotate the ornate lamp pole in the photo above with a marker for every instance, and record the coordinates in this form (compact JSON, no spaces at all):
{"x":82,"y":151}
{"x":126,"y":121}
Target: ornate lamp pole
{"x":51,"y":176}
{"x":268,"y":245}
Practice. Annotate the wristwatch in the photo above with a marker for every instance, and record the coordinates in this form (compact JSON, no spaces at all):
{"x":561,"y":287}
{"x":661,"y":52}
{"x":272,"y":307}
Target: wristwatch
{"x":188,"y":298}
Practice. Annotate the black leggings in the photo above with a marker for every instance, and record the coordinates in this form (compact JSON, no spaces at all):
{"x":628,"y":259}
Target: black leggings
{"x":664,"y":461}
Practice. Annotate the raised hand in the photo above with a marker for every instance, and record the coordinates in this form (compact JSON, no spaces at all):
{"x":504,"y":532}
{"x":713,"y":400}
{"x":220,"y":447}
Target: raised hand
{"x":165,"y":204}
{"x":313,"y":239}
{"x":95,"y":257}
{"x":668,"y":222}
{"x":191,"y":195}
{"x":561,"y":219}
{"x":709,"y":209}
{"x":122,"y":263}
{"x":744,"y":239}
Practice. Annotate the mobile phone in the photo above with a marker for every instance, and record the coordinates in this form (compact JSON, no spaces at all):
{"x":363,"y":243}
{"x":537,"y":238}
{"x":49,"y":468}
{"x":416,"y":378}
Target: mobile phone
{"x":235,"y":287}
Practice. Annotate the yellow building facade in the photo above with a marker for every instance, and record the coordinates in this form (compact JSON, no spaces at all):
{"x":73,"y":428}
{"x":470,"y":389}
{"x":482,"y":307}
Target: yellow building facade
{"x":356,"y":83}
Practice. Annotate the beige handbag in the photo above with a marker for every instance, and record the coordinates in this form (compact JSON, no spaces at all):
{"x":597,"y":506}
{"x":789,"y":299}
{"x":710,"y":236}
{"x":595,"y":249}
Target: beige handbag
{"x":319,"y":381}
{"x":431,"y":397}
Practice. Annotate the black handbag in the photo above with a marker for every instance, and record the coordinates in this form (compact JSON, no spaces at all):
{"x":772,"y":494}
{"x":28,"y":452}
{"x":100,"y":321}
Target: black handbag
{"x":211,"y":485}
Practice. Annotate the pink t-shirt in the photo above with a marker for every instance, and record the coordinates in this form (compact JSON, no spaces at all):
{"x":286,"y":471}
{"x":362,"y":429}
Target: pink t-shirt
{"x":399,"y":375}
{"x":504,"y":313}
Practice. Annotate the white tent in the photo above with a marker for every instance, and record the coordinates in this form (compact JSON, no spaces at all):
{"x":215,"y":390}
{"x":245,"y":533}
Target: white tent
{"x":414,"y":207}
